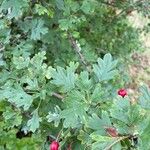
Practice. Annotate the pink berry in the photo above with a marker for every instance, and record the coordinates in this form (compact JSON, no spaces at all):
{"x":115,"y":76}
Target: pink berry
{"x":122,"y":92}
{"x":54,"y":145}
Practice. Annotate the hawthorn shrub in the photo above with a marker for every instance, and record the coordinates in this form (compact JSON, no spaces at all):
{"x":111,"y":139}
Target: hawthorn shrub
{"x":60,"y":88}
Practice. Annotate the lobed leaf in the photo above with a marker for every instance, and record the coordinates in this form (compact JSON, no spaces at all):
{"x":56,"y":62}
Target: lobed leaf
{"x":144,"y":99}
{"x":106,"y":68}
{"x":34,"y":122}
{"x":16,"y":96}
{"x":64,"y":78}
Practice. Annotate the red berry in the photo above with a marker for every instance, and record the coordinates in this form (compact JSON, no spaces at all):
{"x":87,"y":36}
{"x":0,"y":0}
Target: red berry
{"x":54,"y":145}
{"x":122,"y":92}
{"x":112,"y":132}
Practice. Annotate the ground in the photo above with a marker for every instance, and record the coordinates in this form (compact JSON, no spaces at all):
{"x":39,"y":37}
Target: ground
{"x":139,"y":70}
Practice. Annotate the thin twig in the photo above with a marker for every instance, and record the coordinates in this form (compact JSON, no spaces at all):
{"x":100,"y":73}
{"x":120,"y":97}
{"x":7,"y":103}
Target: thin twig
{"x":2,"y":48}
{"x":115,"y":142}
{"x":28,"y":17}
{"x":59,"y":134}
{"x":57,"y":95}
{"x":109,"y":4}
{"x":77,"y":50}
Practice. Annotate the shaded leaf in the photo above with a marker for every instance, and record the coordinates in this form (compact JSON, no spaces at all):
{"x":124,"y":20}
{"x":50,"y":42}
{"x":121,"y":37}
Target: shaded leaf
{"x":12,"y":118}
{"x":34,"y":122}
{"x":16,"y":7}
{"x":144,"y":99}
{"x":60,"y":4}
{"x":84,"y":137}
{"x":88,"y":6}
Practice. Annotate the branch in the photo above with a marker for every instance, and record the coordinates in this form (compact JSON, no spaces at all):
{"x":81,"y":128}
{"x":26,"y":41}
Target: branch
{"x":77,"y":50}
{"x":57,"y":95}
{"x":109,"y":4}
{"x":2,"y":48}
{"x":28,"y":17}
{"x":115,"y":142}
{"x":52,"y":94}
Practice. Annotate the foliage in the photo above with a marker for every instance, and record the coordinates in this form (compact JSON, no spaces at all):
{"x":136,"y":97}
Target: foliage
{"x":58,"y":79}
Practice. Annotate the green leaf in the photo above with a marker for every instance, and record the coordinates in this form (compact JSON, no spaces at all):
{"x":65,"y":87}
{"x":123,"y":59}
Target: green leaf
{"x":143,"y":143}
{"x":135,"y":115}
{"x":105,"y":142}
{"x":16,"y":96}
{"x":32,"y":83}
{"x":88,"y":6}
{"x":144,"y":138}
{"x":43,"y":10}
{"x":97,"y":94}
{"x":84,"y":137}
{"x":144,"y":99}
{"x":38,"y":59}
{"x":38,"y":29}
{"x":65,"y":24}
{"x":48,"y":72}
{"x":16,"y":7}
{"x":2,"y":62}
{"x":25,"y":25}
{"x":100,"y":138}
{"x":144,"y":123}
{"x":84,"y":82}
{"x":34,"y":122}
{"x":12,"y":118}
{"x":78,"y":146}
{"x":102,"y":146}
{"x":126,"y":113}
{"x":144,"y":132}
{"x":126,"y":116}
{"x":54,"y":116}
{"x":64,"y":78}
{"x":60,"y":4}
{"x":120,"y":109}
{"x":36,"y":26}
{"x":100,"y":124}
{"x":21,"y":62}
{"x":71,"y":117}
{"x":3,"y":24}
{"x":117,"y":146}
{"x":75,"y":113}
{"x":105,"y":69}
{"x":5,"y":35}
{"x":24,"y":49}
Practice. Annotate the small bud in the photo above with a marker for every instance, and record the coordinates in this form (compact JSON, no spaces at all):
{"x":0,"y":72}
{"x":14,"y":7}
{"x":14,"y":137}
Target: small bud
{"x":54,"y":145}
{"x":112,"y":132}
{"x":122,"y":92}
